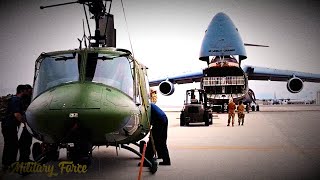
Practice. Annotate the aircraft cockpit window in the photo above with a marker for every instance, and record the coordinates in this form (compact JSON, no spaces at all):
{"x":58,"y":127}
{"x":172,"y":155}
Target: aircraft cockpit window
{"x":55,"y":70}
{"x":223,"y":58}
{"x":115,"y":72}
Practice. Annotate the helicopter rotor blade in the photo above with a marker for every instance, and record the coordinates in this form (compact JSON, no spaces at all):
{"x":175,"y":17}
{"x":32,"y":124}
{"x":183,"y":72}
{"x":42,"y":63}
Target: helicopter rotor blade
{"x":62,"y":4}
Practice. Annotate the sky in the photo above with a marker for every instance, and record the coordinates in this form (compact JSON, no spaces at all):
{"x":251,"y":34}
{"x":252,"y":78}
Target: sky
{"x":166,"y":36}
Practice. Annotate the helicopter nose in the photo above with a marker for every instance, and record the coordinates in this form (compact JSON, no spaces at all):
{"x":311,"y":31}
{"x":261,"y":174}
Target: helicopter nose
{"x":76,"y":96}
{"x":107,"y":113}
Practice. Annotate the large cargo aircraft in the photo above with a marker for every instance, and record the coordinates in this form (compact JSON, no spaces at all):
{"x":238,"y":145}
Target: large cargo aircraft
{"x":224,"y":78}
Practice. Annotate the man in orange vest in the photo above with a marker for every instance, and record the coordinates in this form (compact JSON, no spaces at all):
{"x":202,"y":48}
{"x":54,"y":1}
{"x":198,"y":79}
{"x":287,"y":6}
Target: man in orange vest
{"x":153,"y":95}
{"x":231,"y":111}
{"x":241,"y":113}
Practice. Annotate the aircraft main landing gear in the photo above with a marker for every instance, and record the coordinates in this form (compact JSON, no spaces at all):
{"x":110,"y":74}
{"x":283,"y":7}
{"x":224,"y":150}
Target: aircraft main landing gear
{"x":80,"y":153}
{"x":45,"y":152}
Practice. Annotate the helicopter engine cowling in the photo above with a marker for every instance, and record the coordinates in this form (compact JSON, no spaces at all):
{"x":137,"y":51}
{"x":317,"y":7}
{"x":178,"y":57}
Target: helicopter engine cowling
{"x":295,"y":85}
{"x":166,"y":88}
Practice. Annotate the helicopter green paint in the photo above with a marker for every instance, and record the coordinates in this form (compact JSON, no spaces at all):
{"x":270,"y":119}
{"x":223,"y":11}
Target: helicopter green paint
{"x":90,"y":96}
{"x":103,"y":109}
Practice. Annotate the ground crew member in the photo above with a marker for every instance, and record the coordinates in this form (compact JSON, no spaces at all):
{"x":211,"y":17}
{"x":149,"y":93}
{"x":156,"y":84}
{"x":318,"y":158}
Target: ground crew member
{"x":153,"y":95}
{"x":241,"y":113}
{"x":193,"y":99}
{"x":248,"y":107}
{"x":231,"y":111}
{"x":159,"y":122}
{"x":25,"y":140}
{"x":27,"y":97}
{"x":10,"y":126}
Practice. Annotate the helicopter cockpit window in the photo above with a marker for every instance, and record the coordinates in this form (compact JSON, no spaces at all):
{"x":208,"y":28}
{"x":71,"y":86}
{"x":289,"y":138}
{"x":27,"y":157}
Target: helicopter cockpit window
{"x":55,"y":70}
{"x":115,"y":72}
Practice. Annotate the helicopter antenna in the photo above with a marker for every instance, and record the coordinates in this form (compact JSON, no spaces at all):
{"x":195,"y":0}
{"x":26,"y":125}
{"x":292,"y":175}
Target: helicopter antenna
{"x":125,"y":18}
{"x":85,"y":12}
{"x":62,"y":4}
{"x":84,"y":35}
{"x":80,"y":43}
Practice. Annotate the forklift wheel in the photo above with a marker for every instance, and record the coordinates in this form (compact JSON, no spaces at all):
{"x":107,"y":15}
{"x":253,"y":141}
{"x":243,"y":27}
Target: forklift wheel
{"x":182,"y":120}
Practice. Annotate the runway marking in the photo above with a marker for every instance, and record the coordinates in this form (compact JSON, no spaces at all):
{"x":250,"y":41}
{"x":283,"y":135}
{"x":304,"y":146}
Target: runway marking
{"x":254,"y":148}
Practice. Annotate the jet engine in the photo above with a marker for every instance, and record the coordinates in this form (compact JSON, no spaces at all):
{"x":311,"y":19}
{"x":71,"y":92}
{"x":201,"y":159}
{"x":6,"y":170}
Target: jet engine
{"x":294,"y":85}
{"x":166,"y":88}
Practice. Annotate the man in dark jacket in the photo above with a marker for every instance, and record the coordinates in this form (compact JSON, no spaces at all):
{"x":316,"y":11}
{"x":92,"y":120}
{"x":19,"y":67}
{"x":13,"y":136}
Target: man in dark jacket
{"x":10,"y":127}
{"x":25,"y":140}
{"x":159,"y":122}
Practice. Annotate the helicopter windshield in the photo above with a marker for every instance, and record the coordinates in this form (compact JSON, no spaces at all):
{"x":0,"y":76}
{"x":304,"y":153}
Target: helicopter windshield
{"x":115,"y":72}
{"x":100,"y":68}
{"x":55,"y":70}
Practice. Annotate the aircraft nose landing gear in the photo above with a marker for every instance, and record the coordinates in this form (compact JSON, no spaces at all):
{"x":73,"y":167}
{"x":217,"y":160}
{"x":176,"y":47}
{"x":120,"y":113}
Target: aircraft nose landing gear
{"x":80,"y":153}
{"x":152,"y":163}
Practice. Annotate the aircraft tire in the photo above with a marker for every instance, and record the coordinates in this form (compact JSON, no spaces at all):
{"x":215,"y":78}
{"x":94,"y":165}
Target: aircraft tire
{"x":70,"y":153}
{"x":258,"y":108}
{"x":52,"y":152}
{"x":36,"y":150}
{"x":82,"y":153}
{"x":54,"y":155}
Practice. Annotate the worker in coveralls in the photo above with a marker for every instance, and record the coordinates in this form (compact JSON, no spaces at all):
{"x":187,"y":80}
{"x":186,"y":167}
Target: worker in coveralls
{"x":231,"y":111}
{"x":159,"y":122}
{"x":241,"y":113}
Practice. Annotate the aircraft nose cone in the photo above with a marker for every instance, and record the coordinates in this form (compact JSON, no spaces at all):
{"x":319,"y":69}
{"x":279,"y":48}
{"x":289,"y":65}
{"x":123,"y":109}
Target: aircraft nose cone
{"x":222,"y":38}
{"x":220,"y":16}
{"x":76,"y":96}
{"x":99,"y":109}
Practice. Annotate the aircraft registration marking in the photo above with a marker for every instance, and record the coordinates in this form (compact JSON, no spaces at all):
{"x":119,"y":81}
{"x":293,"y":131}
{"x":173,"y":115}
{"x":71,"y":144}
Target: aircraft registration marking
{"x":221,"y":50}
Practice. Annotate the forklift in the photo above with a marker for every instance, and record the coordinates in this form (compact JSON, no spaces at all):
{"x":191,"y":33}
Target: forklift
{"x":195,"y":109}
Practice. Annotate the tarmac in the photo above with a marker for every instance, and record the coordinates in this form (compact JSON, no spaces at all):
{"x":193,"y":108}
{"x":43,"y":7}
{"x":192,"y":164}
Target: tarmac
{"x":278,"y":142}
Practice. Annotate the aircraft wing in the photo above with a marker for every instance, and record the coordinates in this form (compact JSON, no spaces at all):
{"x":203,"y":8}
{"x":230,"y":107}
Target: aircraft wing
{"x":179,"y":79}
{"x":262,"y":73}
